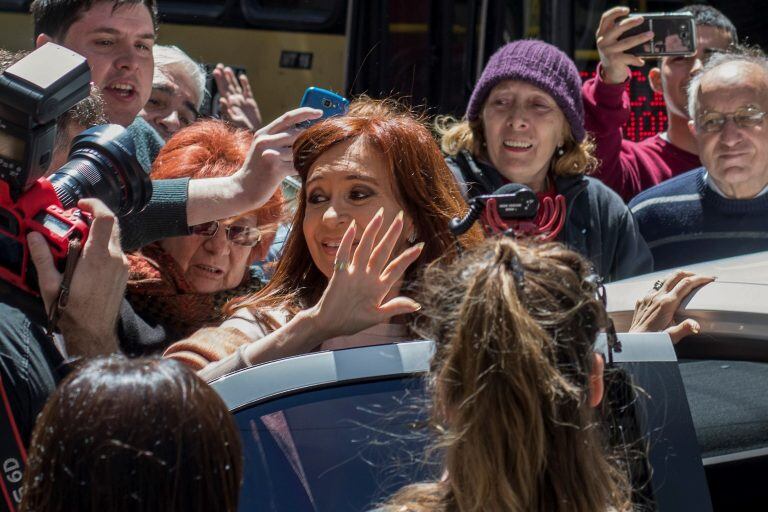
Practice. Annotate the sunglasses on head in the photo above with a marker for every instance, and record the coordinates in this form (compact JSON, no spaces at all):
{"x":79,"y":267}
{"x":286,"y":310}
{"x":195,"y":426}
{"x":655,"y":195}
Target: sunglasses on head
{"x":247,"y":236}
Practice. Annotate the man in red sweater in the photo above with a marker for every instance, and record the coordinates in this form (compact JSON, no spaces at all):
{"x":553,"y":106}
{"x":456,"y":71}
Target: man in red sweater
{"x":630,"y":167}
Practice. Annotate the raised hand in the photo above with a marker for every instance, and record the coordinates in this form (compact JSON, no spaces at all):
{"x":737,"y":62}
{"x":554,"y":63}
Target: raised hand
{"x":364,"y":288}
{"x":238,"y":106}
{"x":613,"y":57}
{"x":270,"y":158}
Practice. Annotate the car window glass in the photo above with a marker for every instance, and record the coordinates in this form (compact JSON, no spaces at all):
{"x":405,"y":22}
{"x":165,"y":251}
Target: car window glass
{"x":367,"y":438}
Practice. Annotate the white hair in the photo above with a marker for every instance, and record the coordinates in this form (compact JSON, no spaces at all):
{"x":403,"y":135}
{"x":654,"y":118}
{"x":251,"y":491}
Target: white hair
{"x":174,"y":56}
{"x":718,"y":59}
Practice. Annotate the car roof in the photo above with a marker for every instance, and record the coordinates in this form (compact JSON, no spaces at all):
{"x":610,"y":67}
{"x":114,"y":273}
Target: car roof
{"x":667,"y":433}
{"x":283,"y":376}
{"x":735,"y":305}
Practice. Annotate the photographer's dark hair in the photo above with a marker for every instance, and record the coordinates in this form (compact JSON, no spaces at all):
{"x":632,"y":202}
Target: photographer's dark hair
{"x":54,"y":17}
{"x":122,"y":435}
{"x":708,"y":16}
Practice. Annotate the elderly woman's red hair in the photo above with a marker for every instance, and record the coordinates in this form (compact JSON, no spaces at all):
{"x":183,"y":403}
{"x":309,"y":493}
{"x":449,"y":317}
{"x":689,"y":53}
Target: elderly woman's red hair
{"x":181,"y":284}
{"x":211,"y":149}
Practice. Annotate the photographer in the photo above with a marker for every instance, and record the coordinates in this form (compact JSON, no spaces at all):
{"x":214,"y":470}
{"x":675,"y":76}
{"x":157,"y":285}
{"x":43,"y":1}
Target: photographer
{"x":630,"y":167}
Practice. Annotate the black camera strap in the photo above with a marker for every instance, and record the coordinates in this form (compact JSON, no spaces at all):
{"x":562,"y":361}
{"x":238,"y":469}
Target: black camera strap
{"x":14,"y":455}
{"x":75,"y":247}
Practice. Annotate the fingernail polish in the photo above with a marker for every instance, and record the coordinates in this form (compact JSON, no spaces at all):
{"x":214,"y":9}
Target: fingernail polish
{"x":400,"y":215}
{"x":380,"y":212}
{"x":419,"y":245}
{"x":696,"y":328}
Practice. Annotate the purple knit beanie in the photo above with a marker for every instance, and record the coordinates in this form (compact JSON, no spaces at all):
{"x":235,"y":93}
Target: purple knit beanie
{"x":539,"y":64}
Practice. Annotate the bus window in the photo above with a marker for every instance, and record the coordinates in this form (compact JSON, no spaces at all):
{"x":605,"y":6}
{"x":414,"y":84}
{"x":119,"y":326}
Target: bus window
{"x":190,"y":11}
{"x":15,"y":5}
{"x":298,"y":15}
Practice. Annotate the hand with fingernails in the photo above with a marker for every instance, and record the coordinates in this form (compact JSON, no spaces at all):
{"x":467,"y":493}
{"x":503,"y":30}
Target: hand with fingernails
{"x":656,"y":311}
{"x":613,"y":57}
{"x":364,"y":288}
{"x":269,"y":161}
{"x":238,"y":106}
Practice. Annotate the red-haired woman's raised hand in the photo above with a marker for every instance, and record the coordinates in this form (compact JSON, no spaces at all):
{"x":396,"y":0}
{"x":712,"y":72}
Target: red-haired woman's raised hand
{"x":358,"y":294}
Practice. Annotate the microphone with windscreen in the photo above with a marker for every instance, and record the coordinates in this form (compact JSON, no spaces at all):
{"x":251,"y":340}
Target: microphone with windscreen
{"x":514,"y":209}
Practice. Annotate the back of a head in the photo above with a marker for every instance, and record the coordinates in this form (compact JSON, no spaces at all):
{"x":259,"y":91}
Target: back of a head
{"x":514,"y":327}
{"x":125,"y":435}
{"x":54,"y":17}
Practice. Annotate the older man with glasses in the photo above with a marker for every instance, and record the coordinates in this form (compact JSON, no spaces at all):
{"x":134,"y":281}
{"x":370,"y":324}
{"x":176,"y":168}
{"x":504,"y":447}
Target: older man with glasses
{"x":720,"y":209}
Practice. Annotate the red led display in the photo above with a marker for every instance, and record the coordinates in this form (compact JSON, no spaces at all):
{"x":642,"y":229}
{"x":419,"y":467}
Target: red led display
{"x":648,"y":115}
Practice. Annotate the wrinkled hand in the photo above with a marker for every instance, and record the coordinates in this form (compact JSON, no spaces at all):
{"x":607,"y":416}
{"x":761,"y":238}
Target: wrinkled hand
{"x":355,"y":298}
{"x":612,"y":50}
{"x":270,"y":158}
{"x":237,"y":103}
{"x":655,"y":312}
{"x":89,"y":321}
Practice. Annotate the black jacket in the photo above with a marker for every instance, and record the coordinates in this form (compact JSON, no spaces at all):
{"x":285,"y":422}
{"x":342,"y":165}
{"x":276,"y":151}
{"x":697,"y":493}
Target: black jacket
{"x":598,"y":224}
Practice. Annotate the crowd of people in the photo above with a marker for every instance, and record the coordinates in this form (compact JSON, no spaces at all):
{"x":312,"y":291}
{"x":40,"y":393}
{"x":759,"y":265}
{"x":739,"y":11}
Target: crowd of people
{"x":113,"y":405}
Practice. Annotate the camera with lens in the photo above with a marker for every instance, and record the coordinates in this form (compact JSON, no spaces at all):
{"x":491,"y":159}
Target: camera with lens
{"x":34,"y":92}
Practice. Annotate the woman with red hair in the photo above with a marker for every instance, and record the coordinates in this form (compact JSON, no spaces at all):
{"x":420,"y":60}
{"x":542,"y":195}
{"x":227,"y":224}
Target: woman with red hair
{"x":178,"y":285}
{"x":374,"y":209}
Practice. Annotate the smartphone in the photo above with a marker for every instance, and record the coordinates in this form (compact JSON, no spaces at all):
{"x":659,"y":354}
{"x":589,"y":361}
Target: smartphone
{"x":673,"y":34}
{"x":329,"y":102}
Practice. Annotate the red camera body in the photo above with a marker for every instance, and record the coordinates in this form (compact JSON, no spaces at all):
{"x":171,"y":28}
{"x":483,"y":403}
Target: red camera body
{"x":37,"y":209}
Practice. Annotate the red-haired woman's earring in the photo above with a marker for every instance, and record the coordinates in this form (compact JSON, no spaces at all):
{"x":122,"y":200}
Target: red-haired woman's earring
{"x":412,"y":238}
{"x":560,"y":151}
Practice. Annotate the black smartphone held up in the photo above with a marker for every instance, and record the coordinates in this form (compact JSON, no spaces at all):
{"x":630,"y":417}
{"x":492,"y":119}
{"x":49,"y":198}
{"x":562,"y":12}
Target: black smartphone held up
{"x":673,"y":34}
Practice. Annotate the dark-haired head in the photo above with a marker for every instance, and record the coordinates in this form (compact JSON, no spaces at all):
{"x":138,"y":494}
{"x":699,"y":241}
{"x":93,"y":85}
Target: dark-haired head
{"x":127,"y":435}
{"x":708,"y":16}
{"x":410,"y":171}
{"x":515,"y":383}
{"x":54,"y":17}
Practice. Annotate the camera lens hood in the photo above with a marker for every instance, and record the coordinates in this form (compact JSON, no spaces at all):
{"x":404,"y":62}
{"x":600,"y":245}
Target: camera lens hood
{"x":102,"y":164}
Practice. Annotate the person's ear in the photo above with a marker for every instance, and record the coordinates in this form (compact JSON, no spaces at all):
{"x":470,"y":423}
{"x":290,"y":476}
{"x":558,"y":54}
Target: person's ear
{"x":654,"y":79}
{"x":42,"y":39}
{"x":596,"y":384}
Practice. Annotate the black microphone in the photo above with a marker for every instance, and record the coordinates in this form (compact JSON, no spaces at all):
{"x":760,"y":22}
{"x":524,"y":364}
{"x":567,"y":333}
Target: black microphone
{"x":512,"y":201}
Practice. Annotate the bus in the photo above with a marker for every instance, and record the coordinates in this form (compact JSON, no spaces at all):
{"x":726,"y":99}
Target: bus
{"x":426,"y":52}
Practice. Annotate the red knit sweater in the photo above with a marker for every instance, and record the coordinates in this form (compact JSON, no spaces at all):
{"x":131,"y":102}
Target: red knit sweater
{"x":627,"y":167}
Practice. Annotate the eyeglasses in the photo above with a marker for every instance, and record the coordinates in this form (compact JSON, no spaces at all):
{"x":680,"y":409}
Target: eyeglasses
{"x":247,"y":236}
{"x":744,"y":117}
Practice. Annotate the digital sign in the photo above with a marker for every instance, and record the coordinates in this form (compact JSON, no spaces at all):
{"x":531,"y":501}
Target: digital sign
{"x":648,"y":115}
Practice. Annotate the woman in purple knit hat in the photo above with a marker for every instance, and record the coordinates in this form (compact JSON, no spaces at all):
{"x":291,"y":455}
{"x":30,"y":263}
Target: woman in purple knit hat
{"x":525,"y":124}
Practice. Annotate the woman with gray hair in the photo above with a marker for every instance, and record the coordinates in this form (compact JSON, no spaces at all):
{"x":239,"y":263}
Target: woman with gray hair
{"x":178,"y":90}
